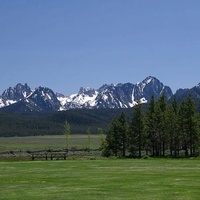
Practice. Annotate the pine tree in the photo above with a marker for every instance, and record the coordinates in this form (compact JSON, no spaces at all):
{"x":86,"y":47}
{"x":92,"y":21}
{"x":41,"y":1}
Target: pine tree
{"x":136,"y":131}
{"x":188,"y":126}
{"x":112,"y":144}
{"x":150,"y":128}
{"x":182,"y":119}
{"x":162,"y":104}
{"x":192,"y":130}
{"x":175,"y":133}
{"x":116,"y":138}
{"x":163,"y":127}
{"x":123,"y":131}
{"x":172,"y":127}
{"x":158,"y":130}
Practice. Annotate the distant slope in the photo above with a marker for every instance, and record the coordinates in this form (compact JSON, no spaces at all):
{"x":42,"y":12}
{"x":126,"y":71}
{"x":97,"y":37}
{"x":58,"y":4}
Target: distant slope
{"x":40,"y":123}
{"x":184,"y":93}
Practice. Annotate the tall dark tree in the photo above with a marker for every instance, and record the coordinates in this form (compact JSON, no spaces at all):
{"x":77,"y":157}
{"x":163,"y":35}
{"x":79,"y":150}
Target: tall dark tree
{"x":188,"y":126}
{"x":171,"y":126}
{"x":112,"y":144}
{"x":123,"y":129}
{"x":150,"y":128}
{"x":136,"y":132}
{"x":182,"y":119}
{"x":192,"y":129}
{"x":116,"y":138}
{"x":175,"y":125}
{"x":160,"y":115}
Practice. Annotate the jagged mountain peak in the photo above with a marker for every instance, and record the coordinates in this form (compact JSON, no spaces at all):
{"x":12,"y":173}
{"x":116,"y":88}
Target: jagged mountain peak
{"x":20,"y":86}
{"x":43,"y":92}
{"x":17,"y":93}
{"x":106,"y":86}
{"x":41,"y":88}
{"x":149,"y":79}
{"x":82,"y":89}
{"x":45,"y":99}
{"x":121,"y":95}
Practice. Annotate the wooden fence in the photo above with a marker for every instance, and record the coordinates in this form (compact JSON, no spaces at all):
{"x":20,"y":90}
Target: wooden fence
{"x":50,"y":154}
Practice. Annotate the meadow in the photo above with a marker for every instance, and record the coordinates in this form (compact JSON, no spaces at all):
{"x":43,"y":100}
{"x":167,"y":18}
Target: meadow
{"x":93,"y":177}
{"x":154,"y":179}
{"x":48,"y":142}
{"x":19,"y":148}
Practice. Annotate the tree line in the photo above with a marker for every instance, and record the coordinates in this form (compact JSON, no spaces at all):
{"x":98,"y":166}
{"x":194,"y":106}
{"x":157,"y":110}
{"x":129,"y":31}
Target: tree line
{"x":162,"y":129}
{"x":51,"y":123}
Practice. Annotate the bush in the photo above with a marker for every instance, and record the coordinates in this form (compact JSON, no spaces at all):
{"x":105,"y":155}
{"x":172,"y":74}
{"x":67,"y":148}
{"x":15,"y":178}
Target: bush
{"x":145,"y":157}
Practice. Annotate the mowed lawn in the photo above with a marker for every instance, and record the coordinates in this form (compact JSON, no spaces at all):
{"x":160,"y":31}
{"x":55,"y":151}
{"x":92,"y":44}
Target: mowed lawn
{"x":153,"y":179}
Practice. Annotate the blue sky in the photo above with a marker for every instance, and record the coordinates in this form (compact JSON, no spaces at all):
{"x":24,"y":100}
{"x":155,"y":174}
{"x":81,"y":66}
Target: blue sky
{"x":66,"y":44}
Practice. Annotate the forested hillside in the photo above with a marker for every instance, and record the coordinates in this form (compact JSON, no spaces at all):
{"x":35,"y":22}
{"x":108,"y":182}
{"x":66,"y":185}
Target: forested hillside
{"x":52,"y":123}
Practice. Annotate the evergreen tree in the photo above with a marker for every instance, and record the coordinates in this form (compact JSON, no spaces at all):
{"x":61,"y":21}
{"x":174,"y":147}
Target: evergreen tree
{"x":192,"y":129}
{"x":197,"y":137}
{"x":112,"y":144}
{"x":116,"y":138}
{"x":162,"y":104}
{"x":175,"y":125}
{"x":188,"y":126}
{"x":150,"y":128}
{"x":182,"y":120}
{"x":163,"y":127}
{"x":123,"y":131}
{"x":136,"y":133}
{"x":158,"y":130}
{"x":172,"y":127}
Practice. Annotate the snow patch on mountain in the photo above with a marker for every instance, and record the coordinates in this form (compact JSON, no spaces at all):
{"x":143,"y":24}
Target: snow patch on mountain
{"x":107,"y":96}
{"x":2,"y":104}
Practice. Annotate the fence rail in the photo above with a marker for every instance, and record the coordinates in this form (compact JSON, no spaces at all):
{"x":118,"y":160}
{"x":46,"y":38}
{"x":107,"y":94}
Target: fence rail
{"x":49,"y":154}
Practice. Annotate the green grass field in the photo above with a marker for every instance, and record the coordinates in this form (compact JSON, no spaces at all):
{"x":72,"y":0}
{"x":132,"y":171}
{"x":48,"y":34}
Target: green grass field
{"x":15,"y":148}
{"x":46,"y":142}
{"x":163,"y":179}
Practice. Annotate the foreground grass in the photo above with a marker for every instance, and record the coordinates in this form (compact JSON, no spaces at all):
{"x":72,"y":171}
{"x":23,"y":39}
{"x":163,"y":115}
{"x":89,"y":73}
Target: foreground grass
{"x":101,"y":179}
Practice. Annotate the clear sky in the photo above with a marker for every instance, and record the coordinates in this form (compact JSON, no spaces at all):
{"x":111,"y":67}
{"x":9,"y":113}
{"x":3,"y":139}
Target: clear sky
{"x":66,"y":44}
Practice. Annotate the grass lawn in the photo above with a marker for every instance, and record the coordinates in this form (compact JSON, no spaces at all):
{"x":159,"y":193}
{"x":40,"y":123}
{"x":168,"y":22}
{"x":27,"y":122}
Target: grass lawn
{"x":163,"y":179}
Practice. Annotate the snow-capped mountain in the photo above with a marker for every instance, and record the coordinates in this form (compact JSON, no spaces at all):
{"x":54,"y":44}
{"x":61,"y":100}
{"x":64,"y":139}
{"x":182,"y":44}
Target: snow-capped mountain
{"x":85,"y":98}
{"x":14,"y":94}
{"x":17,"y":93}
{"x":44,"y":99}
{"x":121,"y":95}
{"x":41,"y":99}
{"x":116,"y":96}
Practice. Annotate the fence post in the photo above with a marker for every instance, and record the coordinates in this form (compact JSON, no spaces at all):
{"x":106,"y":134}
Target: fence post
{"x":46,"y":156}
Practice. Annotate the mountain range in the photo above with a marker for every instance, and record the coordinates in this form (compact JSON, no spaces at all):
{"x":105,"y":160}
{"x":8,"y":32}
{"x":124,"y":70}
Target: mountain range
{"x":22,"y":98}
